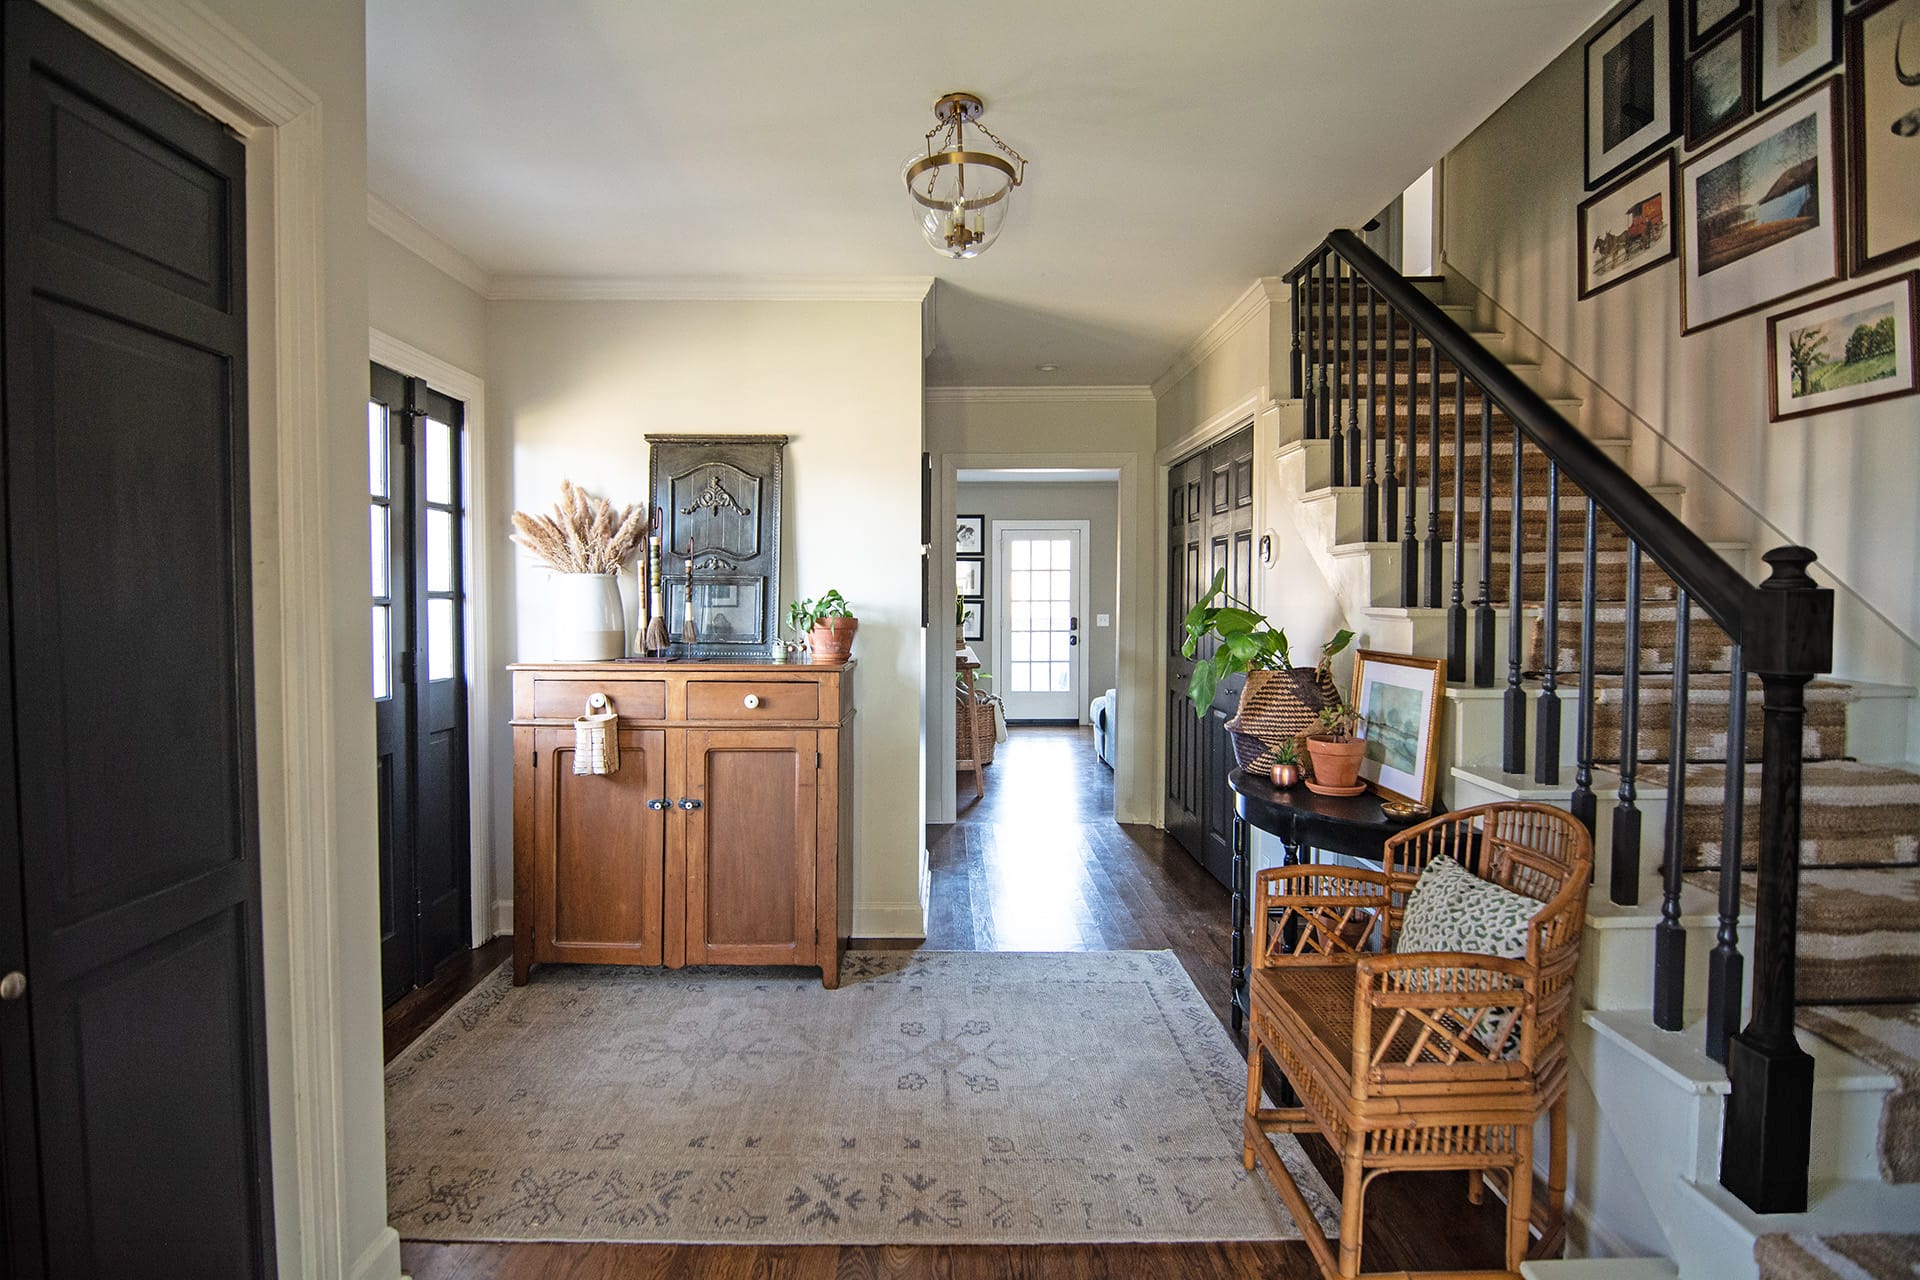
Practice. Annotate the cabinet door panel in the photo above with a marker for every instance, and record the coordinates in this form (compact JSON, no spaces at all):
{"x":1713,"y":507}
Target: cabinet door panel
{"x":751,"y":846}
{"x":601,"y":892}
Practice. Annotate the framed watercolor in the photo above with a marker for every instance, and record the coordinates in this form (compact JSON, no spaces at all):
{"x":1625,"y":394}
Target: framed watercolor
{"x":973,"y":626}
{"x":1628,"y":228}
{"x":1883,"y":133}
{"x":1848,"y":350}
{"x":969,"y":534}
{"x":1708,"y":18}
{"x":1760,"y":212}
{"x":969,"y":577}
{"x":1398,"y":698}
{"x":1717,"y":87}
{"x":1630,"y":88}
{"x":1794,"y":41}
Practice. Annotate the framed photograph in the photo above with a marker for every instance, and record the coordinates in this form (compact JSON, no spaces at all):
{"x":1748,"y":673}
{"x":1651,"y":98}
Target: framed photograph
{"x":1761,"y":213}
{"x":1883,"y":135}
{"x":1849,"y":350}
{"x":1794,"y":41}
{"x":1399,"y":703}
{"x":1630,"y":91}
{"x":1708,"y":18}
{"x":1628,"y":228}
{"x":973,"y":623}
{"x":969,"y":575}
{"x":969,"y":534}
{"x":1718,"y":87}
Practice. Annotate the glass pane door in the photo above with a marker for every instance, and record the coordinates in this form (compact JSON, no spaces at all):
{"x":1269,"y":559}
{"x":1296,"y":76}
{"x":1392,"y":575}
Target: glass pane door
{"x":1042,"y":590}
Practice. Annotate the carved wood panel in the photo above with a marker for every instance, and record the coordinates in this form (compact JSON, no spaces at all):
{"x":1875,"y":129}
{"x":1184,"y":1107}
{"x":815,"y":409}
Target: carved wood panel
{"x":719,"y":504}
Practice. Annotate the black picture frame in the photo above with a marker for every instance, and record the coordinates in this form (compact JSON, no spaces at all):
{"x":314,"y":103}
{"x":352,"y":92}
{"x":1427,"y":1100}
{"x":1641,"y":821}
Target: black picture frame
{"x":1698,"y":36}
{"x":1869,"y":142}
{"x":978,"y":564}
{"x":1697,"y":131}
{"x":974,"y":628}
{"x":974,"y":525}
{"x":1639,"y":177}
{"x":1825,"y":55}
{"x":1644,"y":71}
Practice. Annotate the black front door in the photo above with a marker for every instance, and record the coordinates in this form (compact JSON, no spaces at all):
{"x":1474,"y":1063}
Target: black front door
{"x":1210,"y":528}
{"x":415,"y":462}
{"x":132,"y":1044}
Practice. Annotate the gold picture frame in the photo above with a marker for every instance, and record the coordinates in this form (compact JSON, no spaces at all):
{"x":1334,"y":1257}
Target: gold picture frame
{"x":1398,"y":698}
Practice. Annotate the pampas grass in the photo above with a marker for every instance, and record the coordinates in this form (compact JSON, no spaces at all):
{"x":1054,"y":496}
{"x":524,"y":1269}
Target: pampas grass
{"x":584,"y":534}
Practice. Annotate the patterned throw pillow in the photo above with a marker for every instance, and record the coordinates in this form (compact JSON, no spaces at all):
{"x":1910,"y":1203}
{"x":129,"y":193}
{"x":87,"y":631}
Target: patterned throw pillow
{"x":1452,"y":909}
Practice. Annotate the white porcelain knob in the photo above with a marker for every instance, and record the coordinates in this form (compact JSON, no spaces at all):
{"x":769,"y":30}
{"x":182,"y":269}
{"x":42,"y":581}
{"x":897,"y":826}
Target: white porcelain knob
{"x":751,"y":701}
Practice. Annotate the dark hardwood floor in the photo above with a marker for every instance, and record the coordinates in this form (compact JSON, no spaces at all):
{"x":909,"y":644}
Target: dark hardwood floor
{"x":1038,"y":864}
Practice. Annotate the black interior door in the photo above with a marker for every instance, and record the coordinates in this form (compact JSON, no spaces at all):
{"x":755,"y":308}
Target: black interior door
{"x":132,"y":1051}
{"x":415,"y":443}
{"x":1210,"y":503}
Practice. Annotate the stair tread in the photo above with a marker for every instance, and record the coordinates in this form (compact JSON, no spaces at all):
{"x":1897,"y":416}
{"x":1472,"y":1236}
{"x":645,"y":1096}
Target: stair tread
{"x":1853,"y":815}
{"x":1888,"y":1036}
{"x":1856,"y":940}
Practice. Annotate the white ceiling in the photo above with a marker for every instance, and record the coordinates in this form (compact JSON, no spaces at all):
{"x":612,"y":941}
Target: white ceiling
{"x":1176,"y":151}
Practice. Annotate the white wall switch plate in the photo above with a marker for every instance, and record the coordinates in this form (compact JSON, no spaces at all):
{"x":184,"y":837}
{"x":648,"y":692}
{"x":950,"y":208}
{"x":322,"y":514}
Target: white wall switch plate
{"x":1101,"y":620}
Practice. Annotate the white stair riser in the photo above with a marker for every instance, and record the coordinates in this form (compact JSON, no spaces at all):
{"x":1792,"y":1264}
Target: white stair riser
{"x":1877,"y":723}
{"x":1616,"y":964}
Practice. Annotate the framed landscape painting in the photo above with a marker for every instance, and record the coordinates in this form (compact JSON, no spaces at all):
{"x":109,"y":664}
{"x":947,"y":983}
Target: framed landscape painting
{"x":1398,"y":698}
{"x":1708,"y":18}
{"x":1795,"y":42}
{"x":1630,"y":89}
{"x":1718,"y":87}
{"x":1844,"y":351}
{"x":1628,"y":228}
{"x":1883,"y":135}
{"x":1761,"y":212}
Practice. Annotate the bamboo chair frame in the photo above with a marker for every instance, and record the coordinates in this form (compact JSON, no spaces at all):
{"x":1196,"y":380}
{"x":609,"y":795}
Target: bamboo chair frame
{"x":1420,"y":1061}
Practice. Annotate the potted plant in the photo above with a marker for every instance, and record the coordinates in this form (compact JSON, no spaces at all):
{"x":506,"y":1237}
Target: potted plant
{"x":1286,"y":765}
{"x":1279,"y":701}
{"x":1336,"y":752}
{"x":828,"y":625}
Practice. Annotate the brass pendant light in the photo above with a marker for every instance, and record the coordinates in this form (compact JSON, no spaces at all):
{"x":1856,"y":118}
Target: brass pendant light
{"x":960,"y":196}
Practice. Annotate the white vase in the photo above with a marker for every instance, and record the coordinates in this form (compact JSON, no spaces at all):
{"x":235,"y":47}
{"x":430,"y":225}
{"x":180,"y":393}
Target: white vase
{"x":588,"y":621}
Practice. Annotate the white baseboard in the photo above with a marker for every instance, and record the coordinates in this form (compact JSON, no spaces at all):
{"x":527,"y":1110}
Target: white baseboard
{"x":890,"y":920}
{"x":381,"y":1259}
{"x":502,"y":917}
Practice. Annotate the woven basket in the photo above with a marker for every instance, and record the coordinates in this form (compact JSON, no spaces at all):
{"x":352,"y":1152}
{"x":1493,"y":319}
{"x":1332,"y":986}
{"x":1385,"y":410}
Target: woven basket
{"x":1272,"y":711}
{"x":982,"y":730}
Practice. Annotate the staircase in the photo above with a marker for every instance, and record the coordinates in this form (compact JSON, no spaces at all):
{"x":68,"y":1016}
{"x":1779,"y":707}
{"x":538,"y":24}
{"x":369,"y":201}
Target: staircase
{"x":1428,"y":459}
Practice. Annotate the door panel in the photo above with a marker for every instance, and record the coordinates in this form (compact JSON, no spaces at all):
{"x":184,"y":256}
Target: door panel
{"x":750,"y":846}
{"x":1040,"y":593}
{"x":603,"y":901}
{"x":133,"y":1072}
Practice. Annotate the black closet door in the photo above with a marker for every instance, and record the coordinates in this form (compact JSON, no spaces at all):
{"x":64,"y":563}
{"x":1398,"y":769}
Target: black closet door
{"x":133,"y":1055}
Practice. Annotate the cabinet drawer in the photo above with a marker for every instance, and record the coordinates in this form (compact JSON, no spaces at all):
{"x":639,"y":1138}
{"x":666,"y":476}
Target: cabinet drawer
{"x":752,"y":700}
{"x":633,"y":699}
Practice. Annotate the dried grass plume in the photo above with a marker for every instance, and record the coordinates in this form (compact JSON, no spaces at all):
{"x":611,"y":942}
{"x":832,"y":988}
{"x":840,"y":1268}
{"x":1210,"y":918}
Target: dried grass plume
{"x":584,"y":534}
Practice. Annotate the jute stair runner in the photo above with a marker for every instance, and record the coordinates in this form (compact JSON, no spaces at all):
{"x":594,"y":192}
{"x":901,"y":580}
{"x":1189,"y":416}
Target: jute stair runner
{"x":1838,"y":1257}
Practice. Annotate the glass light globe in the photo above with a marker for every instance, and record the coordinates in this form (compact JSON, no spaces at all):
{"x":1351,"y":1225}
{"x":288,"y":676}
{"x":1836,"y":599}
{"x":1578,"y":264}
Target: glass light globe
{"x":961,"y":206}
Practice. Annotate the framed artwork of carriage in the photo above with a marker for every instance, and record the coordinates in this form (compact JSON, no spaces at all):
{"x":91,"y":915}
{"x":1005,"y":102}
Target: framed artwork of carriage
{"x":1628,"y":228}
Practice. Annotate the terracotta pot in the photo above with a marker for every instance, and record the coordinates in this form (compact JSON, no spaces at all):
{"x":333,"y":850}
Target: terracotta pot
{"x":1335,"y":763}
{"x":831,"y":639}
{"x":1286,"y":776}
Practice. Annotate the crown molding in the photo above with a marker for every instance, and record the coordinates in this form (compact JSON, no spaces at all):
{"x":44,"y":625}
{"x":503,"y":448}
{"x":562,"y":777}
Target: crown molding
{"x":1257,"y":296}
{"x":422,"y":243}
{"x":1032,"y":395}
{"x":711,"y":288}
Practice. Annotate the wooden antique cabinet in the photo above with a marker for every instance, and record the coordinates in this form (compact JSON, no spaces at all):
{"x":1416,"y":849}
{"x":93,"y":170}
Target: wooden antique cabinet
{"x":723,"y":838}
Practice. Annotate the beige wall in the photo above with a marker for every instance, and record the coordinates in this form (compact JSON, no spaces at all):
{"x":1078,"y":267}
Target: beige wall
{"x":998,"y":428}
{"x":573,"y":389}
{"x":1842,"y":483}
{"x":1097,"y":505}
{"x":1241,"y":372}
{"x":411,"y":299}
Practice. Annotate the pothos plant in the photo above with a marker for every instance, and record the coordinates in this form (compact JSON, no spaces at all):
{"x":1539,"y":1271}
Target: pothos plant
{"x":1248,"y":642}
{"x":803,"y":614}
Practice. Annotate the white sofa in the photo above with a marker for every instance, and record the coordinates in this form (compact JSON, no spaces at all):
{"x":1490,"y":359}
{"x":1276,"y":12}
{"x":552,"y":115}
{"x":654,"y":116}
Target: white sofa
{"x":1101,"y":713}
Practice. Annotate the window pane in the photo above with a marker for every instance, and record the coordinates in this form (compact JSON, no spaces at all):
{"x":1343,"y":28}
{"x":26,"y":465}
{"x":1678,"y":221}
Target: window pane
{"x":1063,"y":585}
{"x":1021,"y":643}
{"x":439,"y":462}
{"x":382,"y":655}
{"x":377,"y":449}
{"x":1040,"y":555}
{"x":1022,"y":615}
{"x":1060,"y":679}
{"x":1062,"y":554}
{"x":1020,"y":558}
{"x":439,"y":550}
{"x":378,"y":536}
{"x":1061,"y":650}
{"x":1022,"y":585}
{"x":440,"y":646}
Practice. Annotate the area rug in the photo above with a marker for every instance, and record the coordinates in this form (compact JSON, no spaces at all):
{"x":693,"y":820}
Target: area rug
{"x":936,"y":1097}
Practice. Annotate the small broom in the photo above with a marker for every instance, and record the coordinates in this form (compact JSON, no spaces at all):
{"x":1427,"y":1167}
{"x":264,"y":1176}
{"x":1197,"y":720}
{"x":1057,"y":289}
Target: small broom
{"x":657,"y":615}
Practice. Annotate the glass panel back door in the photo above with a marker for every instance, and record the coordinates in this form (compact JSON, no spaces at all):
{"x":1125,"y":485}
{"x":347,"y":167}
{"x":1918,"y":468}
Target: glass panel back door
{"x":1040,"y":579}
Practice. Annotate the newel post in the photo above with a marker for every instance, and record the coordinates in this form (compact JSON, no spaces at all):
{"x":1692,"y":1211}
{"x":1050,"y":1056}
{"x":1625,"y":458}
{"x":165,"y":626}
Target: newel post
{"x":1764,"y":1151}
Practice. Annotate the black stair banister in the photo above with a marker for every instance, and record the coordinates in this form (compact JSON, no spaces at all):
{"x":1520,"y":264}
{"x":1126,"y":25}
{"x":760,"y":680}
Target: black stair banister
{"x":1336,"y":430}
{"x":1623,"y":885}
{"x":1669,"y":938}
{"x":1353,"y":380}
{"x":1370,"y":495}
{"x":1432,"y":600}
{"x":1585,"y":805}
{"x":1409,"y":543}
{"x":1514,"y":705}
{"x":1457,"y":609}
{"x":1390,"y":493}
{"x":1546,"y":747}
{"x":1483,"y":621}
{"x":1726,"y":969}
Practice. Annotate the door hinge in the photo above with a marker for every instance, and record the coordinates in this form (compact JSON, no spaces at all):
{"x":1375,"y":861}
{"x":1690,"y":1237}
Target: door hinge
{"x":535,"y":756}
{"x":816,"y":760}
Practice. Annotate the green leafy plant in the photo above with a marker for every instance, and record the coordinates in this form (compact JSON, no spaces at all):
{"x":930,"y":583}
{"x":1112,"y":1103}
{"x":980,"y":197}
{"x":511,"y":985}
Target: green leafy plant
{"x":1338,"y":719}
{"x":802,"y":614}
{"x":1287,"y":752}
{"x":1248,"y":642}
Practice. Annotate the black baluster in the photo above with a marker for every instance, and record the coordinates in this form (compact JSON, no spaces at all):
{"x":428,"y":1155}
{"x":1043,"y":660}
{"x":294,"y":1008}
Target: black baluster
{"x":1409,"y":544}
{"x":1457,"y":611}
{"x":1669,"y":939}
{"x":1624,"y":882}
{"x":1337,"y":427}
{"x":1483,"y":627}
{"x":1726,"y":969}
{"x":1584,"y":806}
{"x":1370,"y":495}
{"x":1353,"y":377}
{"x":1514,"y":756}
{"x":1390,"y":495}
{"x":1293,"y":357}
{"x":1433,"y":475}
{"x":1316,"y":378}
{"x":1546,"y":747}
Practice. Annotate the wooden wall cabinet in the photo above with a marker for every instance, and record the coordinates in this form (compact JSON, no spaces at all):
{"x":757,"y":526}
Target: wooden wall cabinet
{"x":725,"y":836}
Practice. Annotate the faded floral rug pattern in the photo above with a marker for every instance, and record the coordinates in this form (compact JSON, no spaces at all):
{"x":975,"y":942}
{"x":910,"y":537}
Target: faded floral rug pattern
{"x":936,"y":1097}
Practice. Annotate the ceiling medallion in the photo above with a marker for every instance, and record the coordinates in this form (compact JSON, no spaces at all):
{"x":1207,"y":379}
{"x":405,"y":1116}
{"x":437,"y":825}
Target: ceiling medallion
{"x":961,"y":196}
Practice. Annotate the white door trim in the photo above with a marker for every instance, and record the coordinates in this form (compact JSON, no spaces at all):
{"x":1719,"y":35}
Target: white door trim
{"x":470,"y":390}
{"x":197,"y":55}
{"x":1002,"y":638}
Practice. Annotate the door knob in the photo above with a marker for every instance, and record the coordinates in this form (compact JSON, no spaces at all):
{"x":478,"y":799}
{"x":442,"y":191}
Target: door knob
{"x":689,"y":804}
{"x":13,"y":986}
{"x":658,"y":805}
{"x":751,"y":701}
